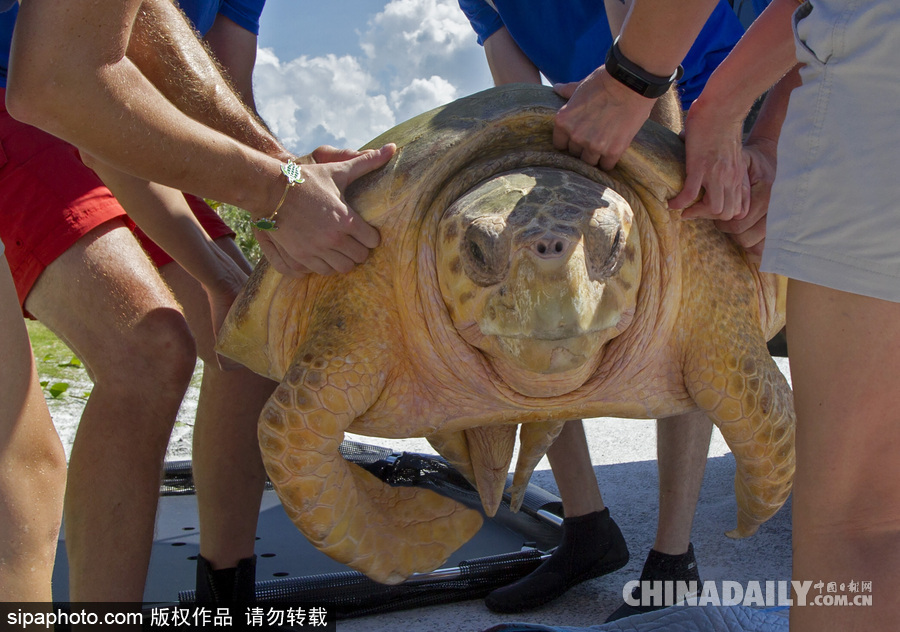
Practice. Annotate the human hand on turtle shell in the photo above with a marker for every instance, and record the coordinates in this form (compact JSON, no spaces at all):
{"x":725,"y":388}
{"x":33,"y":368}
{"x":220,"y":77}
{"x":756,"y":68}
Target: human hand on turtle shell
{"x":750,"y":231}
{"x":317,"y":231}
{"x":600,"y":120}
{"x":715,"y":167}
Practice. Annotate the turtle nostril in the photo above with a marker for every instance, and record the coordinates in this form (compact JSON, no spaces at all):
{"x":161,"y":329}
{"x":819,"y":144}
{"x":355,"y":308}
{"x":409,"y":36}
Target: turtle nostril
{"x":551,"y":247}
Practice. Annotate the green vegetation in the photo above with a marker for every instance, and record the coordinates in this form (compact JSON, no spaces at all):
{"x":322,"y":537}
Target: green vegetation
{"x":239,"y":221}
{"x":58,"y":369}
{"x":62,"y":375}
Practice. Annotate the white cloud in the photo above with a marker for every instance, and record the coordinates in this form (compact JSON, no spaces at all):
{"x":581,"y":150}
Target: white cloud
{"x":417,"y":55}
{"x":311,"y":101}
{"x":421,"y":95}
{"x":421,"y":38}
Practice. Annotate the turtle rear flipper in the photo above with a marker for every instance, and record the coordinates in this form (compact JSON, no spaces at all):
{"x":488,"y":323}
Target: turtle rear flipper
{"x":535,"y":439}
{"x":482,"y":455}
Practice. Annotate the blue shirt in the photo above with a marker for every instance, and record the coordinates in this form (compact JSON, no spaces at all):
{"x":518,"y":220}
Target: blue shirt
{"x":201,"y":13}
{"x":569,"y":40}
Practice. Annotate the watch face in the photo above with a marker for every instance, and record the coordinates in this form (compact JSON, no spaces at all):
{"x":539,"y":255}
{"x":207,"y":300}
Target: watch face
{"x":635,"y":83}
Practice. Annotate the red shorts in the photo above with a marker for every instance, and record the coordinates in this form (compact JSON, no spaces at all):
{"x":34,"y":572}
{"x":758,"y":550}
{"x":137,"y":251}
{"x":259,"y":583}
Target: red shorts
{"x":49,"y":200}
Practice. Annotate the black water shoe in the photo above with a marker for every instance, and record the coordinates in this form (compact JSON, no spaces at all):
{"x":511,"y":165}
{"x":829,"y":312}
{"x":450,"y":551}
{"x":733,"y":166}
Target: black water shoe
{"x":592,"y":545}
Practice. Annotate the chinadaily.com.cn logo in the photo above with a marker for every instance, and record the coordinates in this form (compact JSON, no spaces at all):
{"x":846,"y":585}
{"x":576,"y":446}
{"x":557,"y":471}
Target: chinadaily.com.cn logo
{"x":752,"y":593}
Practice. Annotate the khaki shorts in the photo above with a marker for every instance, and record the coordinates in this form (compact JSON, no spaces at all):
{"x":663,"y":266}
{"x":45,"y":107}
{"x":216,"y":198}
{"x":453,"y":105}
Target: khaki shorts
{"x":834,"y":216}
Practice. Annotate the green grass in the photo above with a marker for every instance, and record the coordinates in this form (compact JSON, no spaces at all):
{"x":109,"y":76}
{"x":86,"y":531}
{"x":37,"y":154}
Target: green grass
{"x":60,"y":371}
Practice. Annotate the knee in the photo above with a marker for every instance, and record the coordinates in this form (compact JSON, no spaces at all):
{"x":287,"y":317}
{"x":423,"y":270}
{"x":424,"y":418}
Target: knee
{"x":164,"y":339}
{"x":32,"y":487}
{"x":43,"y":461}
{"x":159,"y":350}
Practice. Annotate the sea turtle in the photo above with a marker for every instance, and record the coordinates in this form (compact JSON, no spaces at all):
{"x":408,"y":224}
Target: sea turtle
{"x":514,"y":285}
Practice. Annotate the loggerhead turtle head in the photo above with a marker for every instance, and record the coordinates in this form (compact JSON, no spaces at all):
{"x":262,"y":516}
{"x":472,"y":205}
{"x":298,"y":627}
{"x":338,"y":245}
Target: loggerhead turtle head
{"x":539,"y":269}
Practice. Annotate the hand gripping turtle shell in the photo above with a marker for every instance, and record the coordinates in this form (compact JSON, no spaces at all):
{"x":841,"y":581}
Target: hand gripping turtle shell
{"x":515,"y":287}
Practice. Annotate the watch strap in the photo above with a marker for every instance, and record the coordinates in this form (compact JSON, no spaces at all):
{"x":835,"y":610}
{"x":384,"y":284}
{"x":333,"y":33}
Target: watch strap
{"x":636,"y":78}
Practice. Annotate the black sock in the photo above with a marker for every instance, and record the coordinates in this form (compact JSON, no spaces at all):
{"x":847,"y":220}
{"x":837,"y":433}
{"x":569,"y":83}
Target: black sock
{"x":591,"y":545}
{"x":226,"y":586}
{"x":586,"y":539}
{"x":661,"y":567}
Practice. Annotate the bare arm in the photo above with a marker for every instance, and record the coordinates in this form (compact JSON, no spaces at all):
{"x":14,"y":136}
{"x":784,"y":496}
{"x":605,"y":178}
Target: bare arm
{"x":88,"y":78}
{"x":602,"y":115}
{"x":767,"y":127}
{"x":760,"y":156}
{"x":714,"y":123}
{"x":94,"y":87}
{"x":616,"y":12}
{"x":235,"y":48}
{"x":166,"y":50}
{"x":507,"y":62}
{"x":162,"y":212}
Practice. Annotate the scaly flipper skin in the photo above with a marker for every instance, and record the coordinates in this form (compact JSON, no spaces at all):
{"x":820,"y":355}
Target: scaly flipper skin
{"x":490,"y":453}
{"x":534,"y":441}
{"x":454,"y":447}
{"x":386,"y":532}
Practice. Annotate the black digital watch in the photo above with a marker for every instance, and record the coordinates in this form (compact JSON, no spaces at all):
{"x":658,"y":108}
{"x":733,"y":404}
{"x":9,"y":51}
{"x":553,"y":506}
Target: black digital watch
{"x":633,"y":76}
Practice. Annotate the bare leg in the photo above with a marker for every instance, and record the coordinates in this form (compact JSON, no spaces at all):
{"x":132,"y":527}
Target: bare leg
{"x":592,"y":544}
{"x":228,"y":469}
{"x":845,"y":362}
{"x":682,"y":448}
{"x":570,"y":460}
{"x":32,"y":463}
{"x":106,"y":300}
{"x":682,"y":445}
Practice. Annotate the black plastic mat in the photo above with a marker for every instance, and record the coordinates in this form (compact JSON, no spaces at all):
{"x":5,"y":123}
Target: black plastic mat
{"x":290,"y":569}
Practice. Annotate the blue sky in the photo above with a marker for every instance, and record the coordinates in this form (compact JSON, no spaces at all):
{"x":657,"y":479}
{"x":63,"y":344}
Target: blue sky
{"x":340,"y":72}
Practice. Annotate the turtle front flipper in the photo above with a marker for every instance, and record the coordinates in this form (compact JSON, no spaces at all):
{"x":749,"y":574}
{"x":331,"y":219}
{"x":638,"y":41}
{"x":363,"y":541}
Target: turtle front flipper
{"x":750,"y":401}
{"x":386,"y":532}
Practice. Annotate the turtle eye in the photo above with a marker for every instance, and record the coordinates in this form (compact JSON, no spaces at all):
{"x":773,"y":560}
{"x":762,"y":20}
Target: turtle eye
{"x":605,"y":246}
{"x":485,"y":253}
{"x":477,"y":254}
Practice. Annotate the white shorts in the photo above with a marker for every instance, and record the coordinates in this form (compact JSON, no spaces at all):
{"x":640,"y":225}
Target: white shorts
{"x":834,"y":216}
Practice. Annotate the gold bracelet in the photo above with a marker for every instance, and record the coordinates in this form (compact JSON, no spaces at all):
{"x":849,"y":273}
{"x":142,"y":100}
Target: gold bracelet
{"x":291,"y":171}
